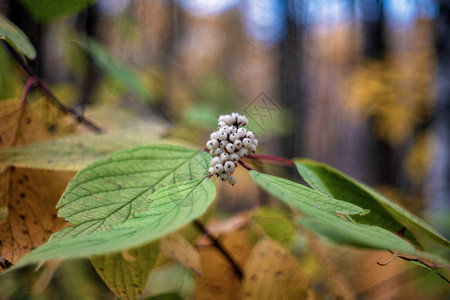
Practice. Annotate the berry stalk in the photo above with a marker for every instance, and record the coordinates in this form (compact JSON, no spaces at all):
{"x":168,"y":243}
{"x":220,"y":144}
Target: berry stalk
{"x":274,"y":158}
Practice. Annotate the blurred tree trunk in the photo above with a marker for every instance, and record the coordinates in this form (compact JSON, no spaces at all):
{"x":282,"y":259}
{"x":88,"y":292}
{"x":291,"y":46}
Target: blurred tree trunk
{"x":87,"y":24}
{"x":168,"y":60}
{"x":291,"y":78}
{"x":374,"y":46}
{"x":440,"y":173}
{"x":384,"y":160}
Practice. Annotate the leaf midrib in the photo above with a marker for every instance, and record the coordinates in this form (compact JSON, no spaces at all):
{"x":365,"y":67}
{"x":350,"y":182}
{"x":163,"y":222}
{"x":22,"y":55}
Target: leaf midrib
{"x":143,"y":192}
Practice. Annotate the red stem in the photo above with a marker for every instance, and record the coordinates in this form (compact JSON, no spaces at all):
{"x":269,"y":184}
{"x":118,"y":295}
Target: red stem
{"x":281,"y":160}
{"x":26,"y":89}
{"x":244,"y":165}
{"x":43,"y":86}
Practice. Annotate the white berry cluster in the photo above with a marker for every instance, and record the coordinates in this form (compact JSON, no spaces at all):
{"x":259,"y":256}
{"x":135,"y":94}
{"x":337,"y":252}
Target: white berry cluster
{"x":229,"y":144}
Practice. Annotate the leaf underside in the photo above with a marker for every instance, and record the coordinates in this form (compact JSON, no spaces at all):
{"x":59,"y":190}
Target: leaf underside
{"x":129,"y":199}
{"x":172,"y":208}
{"x":323,"y":220}
{"x":16,"y":38}
{"x":383,"y":212}
{"x":112,"y":190}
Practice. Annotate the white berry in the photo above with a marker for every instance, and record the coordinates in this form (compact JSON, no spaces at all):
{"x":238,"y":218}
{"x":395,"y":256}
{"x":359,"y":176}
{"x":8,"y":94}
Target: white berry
{"x":222,"y":136}
{"x":229,"y":166}
{"x":241,"y":132}
{"x":224,"y":156}
{"x":232,"y":180}
{"x":230,"y":120}
{"x":215,"y":161}
{"x":250,"y":135}
{"x":230,"y":148}
{"x":246,"y":142}
{"x":214,"y":135}
{"x":243,"y":152}
{"x":223,"y":144}
{"x":219,"y":169}
{"x":224,"y":176}
{"x":252,"y":149}
{"x":234,"y":157}
{"x":228,"y":145}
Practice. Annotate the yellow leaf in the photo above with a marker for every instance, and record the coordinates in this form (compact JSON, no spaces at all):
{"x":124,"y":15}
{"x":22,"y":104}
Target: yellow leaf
{"x":126,"y":272}
{"x":18,"y":125}
{"x":272,"y":273}
{"x":28,"y":201}
{"x":177,"y":247}
{"x":219,"y":280}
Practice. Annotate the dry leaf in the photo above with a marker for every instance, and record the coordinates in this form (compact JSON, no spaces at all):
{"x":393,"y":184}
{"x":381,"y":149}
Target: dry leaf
{"x":177,"y":247}
{"x":272,"y":273}
{"x":219,"y":280}
{"x":30,"y":199}
{"x":126,"y":272}
{"x":18,"y":125}
{"x":54,"y":120}
{"x":219,"y":227}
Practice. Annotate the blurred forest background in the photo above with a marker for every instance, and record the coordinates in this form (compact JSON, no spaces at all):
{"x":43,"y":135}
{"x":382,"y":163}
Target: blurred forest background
{"x":363,"y":85}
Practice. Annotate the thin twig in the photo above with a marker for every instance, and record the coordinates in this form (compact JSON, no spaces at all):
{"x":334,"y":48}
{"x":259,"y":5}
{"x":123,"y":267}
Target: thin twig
{"x":26,"y":89}
{"x":388,"y":262}
{"x":43,"y":86}
{"x":220,"y":247}
{"x":244,"y":165}
{"x":281,"y":160}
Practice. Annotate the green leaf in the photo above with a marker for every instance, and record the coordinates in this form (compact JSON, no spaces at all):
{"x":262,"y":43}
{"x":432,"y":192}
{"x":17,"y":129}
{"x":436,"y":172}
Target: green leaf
{"x":322,"y":214}
{"x":16,"y":38}
{"x":171,"y":208}
{"x":277,"y":224}
{"x":367,"y":236}
{"x":171,"y":278}
{"x":51,"y":10}
{"x":383,"y":212}
{"x":111,"y":190}
{"x":74,"y":153}
{"x":124,"y":75}
{"x":126,"y":272}
{"x":304,"y":199}
{"x":360,"y":235}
